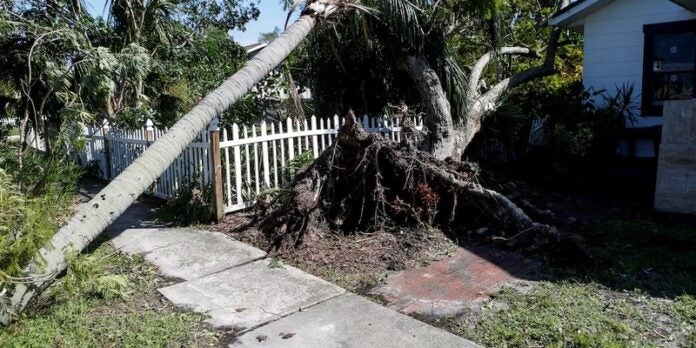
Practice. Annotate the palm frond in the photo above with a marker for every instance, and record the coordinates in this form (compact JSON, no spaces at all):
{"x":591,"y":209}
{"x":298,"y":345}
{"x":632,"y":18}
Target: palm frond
{"x":454,"y":81}
{"x":403,"y":17}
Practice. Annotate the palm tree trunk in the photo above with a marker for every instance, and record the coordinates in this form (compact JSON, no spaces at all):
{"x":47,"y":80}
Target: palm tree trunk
{"x":94,"y":216}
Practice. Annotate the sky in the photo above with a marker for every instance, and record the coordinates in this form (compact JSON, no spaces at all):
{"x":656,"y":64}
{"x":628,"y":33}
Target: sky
{"x":272,"y":15}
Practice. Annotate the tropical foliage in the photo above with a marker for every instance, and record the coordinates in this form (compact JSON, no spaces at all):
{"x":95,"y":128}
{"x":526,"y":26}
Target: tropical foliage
{"x":34,"y":202}
{"x":479,"y":50}
{"x":147,"y":59}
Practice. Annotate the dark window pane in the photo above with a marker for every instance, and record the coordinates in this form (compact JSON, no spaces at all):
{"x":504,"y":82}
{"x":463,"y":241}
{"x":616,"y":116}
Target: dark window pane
{"x":672,"y":86}
{"x":674,"y":52}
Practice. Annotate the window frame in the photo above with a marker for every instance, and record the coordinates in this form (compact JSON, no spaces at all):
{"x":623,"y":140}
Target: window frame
{"x":649,"y":32}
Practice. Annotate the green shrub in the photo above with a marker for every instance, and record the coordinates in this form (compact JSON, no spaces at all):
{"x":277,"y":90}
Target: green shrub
{"x":192,"y":206}
{"x":582,"y":128}
{"x":34,"y":202}
{"x":294,"y":165}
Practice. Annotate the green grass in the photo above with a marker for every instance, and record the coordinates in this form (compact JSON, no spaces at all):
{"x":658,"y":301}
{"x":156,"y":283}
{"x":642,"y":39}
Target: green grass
{"x":560,"y":315}
{"x":638,"y":292}
{"x":657,"y":258}
{"x":89,"y":307}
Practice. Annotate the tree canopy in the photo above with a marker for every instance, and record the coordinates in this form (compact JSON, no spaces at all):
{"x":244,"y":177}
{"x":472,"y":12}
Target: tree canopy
{"x":61,"y":67}
{"x":478,"y":50}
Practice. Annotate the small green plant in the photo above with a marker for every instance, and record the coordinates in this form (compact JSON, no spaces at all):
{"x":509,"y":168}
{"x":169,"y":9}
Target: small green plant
{"x":275,"y":263}
{"x":192,"y":206}
{"x":86,"y":276}
{"x":294,"y":165}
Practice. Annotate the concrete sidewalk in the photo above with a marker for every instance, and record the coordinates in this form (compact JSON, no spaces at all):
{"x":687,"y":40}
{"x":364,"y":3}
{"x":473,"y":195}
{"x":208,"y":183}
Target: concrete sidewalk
{"x":267,"y":303}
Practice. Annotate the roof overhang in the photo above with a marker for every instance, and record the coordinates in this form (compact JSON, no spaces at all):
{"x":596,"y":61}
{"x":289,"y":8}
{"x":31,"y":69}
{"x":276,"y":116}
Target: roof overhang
{"x":572,"y":16}
{"x":687,"y":4}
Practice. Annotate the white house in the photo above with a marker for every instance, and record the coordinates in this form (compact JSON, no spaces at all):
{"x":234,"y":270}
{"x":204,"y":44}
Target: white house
{"x":650,"y":44}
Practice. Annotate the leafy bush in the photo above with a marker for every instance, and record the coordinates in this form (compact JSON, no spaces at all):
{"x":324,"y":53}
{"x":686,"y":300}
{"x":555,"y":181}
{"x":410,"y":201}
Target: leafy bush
{"x":34,"y":201}
{"x":191,"y":206}
{"x":582,"y":128}
{"x":292,"y":166}
{"x":590,"y":134}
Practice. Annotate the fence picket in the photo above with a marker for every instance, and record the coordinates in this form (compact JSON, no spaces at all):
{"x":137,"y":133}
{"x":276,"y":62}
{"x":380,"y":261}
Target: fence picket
{"x":291,"y":144}
{"x":275,"y":158}
{"x":256,"y":162}
{"x":264,"y":154}
{"x":323,"y":136}
{"x":315,"y":144}
{"x":247,"y":160}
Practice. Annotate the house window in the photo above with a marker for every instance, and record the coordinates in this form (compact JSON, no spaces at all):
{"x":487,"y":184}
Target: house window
{"x":669,"y":64}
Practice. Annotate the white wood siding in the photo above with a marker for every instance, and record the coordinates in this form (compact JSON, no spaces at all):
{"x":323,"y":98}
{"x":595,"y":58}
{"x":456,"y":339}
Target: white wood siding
{"x":614,"y":42}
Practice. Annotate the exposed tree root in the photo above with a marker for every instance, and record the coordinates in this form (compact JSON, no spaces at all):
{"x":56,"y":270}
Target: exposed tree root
{"x":366,"y":183}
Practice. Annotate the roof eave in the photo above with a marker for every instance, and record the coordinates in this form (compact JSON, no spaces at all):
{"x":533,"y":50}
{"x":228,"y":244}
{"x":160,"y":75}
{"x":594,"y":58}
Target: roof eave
{"x":573,"y":14}
{"x":572,"y":17}
{"x":687,"y":4}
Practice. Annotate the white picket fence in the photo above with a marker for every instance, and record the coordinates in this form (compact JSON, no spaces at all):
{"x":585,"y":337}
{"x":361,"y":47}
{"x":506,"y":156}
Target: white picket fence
{"x":254,"y":158}
{"x":110,"y":151}
{"x":11,"y":122}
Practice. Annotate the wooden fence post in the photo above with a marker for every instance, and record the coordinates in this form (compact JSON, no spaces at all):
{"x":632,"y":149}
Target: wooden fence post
{"x":216,"y":175}
{"x":107,"y":149}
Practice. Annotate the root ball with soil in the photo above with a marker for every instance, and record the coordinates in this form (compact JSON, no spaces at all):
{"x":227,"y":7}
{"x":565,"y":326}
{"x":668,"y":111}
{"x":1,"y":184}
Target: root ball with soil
{"x":364,"y":182}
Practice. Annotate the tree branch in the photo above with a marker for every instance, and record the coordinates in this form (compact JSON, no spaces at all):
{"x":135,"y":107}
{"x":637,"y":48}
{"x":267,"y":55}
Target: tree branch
{"x":482,"y":104}
{"x":482,"y":63}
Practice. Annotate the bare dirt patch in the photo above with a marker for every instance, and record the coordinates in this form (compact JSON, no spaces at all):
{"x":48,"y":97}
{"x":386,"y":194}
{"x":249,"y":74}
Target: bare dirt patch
{"x":357,"y":261}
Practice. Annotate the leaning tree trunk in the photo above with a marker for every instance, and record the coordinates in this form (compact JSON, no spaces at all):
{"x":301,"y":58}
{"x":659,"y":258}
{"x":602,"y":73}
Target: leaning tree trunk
{"x":440,"y":141}
{"x":94,"y":216}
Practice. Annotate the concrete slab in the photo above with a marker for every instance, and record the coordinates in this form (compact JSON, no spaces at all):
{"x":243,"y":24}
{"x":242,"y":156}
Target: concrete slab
{"x":145,"y":240}
{"x":139,"y":215}
{"x":248,"y":296}
{"x":201,"y":254}
{"x":349,"y":321}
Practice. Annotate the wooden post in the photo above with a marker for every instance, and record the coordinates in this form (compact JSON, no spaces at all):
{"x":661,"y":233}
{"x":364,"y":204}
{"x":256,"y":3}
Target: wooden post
{"x":107,"y":149}
{"x":216,"y":175}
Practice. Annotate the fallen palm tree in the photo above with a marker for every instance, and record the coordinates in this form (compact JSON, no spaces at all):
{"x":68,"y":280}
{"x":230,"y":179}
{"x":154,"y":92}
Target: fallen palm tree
{"x":97,"y":214}
{"x":361,"y":183}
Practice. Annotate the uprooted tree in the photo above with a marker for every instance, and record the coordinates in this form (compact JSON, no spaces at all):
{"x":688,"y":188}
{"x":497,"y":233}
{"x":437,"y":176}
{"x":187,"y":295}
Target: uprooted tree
{"x":362,"y":182}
